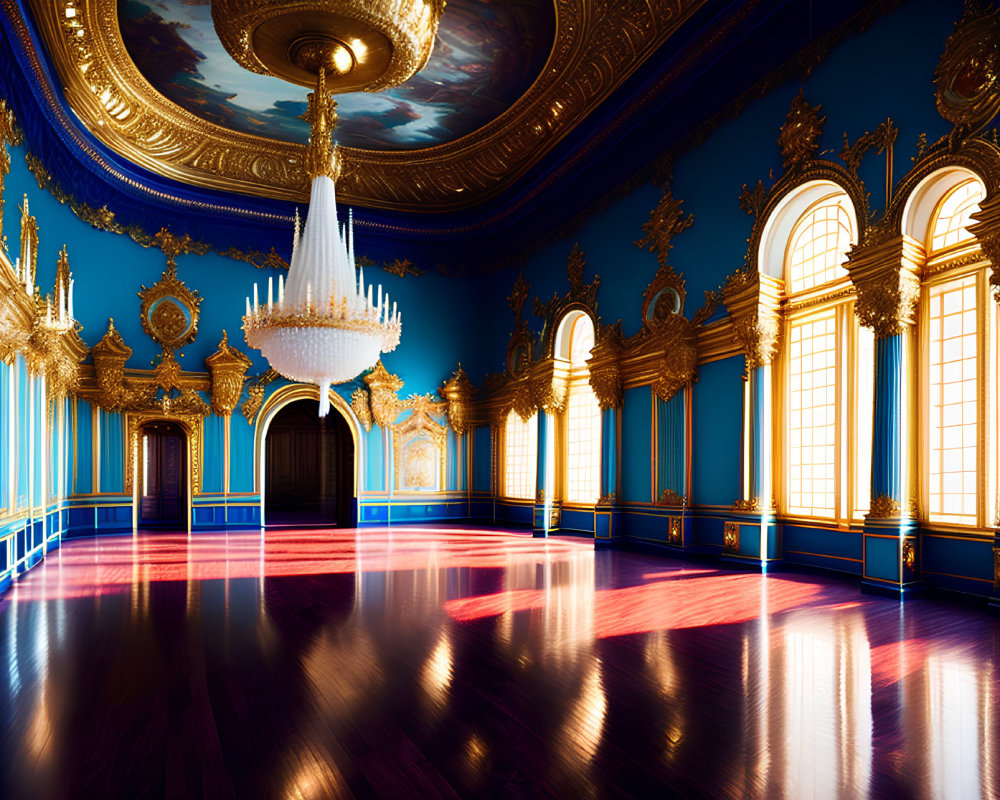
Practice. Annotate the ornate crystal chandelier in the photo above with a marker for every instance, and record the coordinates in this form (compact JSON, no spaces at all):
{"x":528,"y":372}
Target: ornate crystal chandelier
{"x":326,"y":326}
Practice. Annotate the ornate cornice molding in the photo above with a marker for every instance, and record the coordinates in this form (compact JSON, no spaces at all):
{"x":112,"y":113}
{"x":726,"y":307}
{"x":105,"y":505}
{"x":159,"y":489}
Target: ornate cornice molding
{"x":753,"y":302}
{"x":597,"y":46}
{"x":886,"y":276}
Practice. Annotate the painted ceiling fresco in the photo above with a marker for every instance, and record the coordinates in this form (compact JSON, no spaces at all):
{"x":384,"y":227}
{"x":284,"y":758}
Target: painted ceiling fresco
{"x":487,"y":55}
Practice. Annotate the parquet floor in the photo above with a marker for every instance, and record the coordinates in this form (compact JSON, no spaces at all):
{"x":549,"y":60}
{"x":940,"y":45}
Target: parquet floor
{"x":432,"y":663}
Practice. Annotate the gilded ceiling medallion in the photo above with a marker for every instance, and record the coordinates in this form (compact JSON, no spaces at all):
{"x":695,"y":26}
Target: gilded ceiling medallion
{"x":592,"y":54}
{"x":362,"y":46}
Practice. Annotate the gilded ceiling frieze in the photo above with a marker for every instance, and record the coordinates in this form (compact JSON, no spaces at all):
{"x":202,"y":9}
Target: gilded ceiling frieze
{"x":597,"y":46}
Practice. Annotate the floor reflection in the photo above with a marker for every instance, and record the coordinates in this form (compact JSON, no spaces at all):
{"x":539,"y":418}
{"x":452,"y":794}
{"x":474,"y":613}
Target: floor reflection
{"x":425,"y":663}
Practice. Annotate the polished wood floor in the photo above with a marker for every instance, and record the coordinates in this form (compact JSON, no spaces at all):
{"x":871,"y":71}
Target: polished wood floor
{"x":465,"y":663}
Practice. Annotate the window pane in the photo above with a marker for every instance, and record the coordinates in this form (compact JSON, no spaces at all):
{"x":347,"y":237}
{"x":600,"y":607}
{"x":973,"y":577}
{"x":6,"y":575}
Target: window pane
{"x":955,"y":215}
{"x":583,"y":445}
{"x":953,"y":406}
{"x":520,"y":456}
{"x":818,"y":245}
{"x":814,"y":407}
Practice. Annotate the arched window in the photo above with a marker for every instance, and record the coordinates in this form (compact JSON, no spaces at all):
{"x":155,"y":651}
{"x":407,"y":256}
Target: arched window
{"x":828,"y":365}
{"x":520,"y":456}
{"x":956,"y":335}
{"x":954,"y":214}
{"x":819,"y":240}
{"x":581,"y":452}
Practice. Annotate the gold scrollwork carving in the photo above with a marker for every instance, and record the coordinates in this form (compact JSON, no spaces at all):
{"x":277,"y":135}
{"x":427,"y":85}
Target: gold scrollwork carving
{"x":579,"y":294}
{"x":384,"y":388}
{"x":968,"y":73}
{"x":255,"y":394}
{"x":228,"y":367}
{"x":670,"y":498}
{"x":362,"y":408}
{"x":609,"y":499}
{"x":604,"y":367}
{"x":799,"y":136}
{"x":665,"y":221}
{"x":885,"y":276}
{"x":909,"y":555}
{"x":884,"y":507}
{"x":731,"y":536}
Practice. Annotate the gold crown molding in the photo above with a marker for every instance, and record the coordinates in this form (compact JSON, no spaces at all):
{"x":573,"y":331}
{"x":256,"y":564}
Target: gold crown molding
{"x":594,"y":51}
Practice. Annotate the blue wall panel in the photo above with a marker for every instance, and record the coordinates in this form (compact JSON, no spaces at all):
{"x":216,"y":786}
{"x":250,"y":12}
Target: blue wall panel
{"x":375,"y":449}
{"x":112,"y":480}
{"x":83,"y":464}
{"x":573,"y":519}
{"x":241,"y":455}
{"x":717,"y":429}
{"x":481,"y":459}
{"x":637,"y":445}
{"x":213,"y":455}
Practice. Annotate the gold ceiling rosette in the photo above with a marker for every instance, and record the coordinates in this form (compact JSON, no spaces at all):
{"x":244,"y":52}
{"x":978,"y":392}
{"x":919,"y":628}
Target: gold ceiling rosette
{"x":370,"y":46}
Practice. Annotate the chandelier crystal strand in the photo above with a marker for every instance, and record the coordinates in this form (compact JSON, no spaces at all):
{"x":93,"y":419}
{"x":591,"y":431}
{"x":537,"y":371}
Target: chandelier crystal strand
{"x":324,"y":328}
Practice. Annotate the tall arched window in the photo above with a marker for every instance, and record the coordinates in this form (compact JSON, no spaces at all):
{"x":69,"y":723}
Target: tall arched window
{"x":958,"y":363}
{"x":520,"y":456}
{"x":828,"y":367}
{"x":581,"y":453}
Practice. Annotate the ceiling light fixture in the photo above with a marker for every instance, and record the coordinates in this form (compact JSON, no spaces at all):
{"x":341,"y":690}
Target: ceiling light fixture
{"x":326,"y":326}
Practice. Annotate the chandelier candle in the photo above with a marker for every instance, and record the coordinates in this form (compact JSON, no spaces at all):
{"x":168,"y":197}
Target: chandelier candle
{"x":324,"y":329}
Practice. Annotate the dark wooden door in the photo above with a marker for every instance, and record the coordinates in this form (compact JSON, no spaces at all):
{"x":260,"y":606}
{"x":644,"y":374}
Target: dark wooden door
{"x":163,"y":501}
{"x":309,"y":469}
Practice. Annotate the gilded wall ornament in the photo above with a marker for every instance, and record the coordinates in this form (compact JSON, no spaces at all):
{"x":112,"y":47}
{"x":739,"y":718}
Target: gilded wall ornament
{"x":384,"y":388}
{"x":401,"y":267}
{"x":29,"y":243}
{"x":909,"y":555}
{"x":458,"y":392}
{"x":109,"y":356}
{"x":518,"y":295}
{"x":670,"y":498}
{"x":665,"y":221}
{"x":420,"y":447}
{"x":580,"y":294}
{"x":609,"y":499}
{"x":968,"y":74}
{"x":362,"y":408}
{"x":996,"y":568}
{"x":169,"y":310}
{"x":884,"y":507}
{"x":675,"y":533}
{"x":604,"y":367}
{"x":10,"y":134}
{"x":228,"y":367}
{"x":752,"y":200}
{"x":799,"y":137}
{"x":731,"y":536}
{"x":255,"y":394}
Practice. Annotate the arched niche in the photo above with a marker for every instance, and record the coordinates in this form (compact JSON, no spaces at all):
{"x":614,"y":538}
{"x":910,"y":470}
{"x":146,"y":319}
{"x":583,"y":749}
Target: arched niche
{"x":781,"y":221}
{"x":282,"y":398}
{"x":564,"y":332}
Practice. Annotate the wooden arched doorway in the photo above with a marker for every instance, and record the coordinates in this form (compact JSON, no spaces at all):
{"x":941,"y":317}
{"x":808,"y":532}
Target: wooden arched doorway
{"x":309,"y":470}
{"x":163,"y":475}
